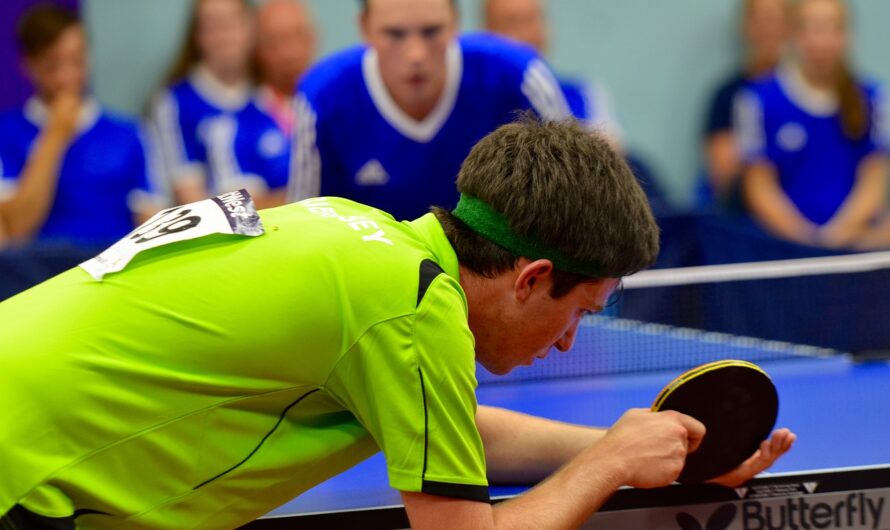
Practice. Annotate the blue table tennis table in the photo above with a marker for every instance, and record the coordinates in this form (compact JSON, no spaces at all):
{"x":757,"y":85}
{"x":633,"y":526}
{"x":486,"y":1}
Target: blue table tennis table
{"x":836,"y":476}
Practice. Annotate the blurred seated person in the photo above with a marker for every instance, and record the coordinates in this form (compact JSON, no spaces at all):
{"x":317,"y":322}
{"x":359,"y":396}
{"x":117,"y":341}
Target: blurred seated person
{"x":814,"y":139}
{"x":388,"y":124}
{"x":211,"y":76}
{"x":251,"y":149}
{"x":69,"y":170}
{"x":526,"y":21}
{"x":764,"y":34}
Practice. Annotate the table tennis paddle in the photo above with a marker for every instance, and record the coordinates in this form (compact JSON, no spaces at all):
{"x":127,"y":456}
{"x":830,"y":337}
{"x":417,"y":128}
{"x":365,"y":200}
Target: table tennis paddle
{"x":738,"y":404}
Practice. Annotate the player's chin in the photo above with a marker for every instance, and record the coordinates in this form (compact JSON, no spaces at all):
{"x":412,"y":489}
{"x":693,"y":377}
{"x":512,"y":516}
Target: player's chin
{"x":497,"y":368}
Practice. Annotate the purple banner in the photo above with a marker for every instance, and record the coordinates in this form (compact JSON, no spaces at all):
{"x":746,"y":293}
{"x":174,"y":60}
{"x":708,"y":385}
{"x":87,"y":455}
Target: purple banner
{"x":15,"y":85}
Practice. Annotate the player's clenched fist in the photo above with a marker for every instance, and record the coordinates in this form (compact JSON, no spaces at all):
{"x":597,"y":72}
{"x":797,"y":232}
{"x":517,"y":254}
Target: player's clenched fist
{"x":652,"y":446}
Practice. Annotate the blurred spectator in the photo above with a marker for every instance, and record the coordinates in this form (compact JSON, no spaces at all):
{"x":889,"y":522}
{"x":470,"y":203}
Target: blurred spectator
{"x":764,"y":33}
{"x":211,"y":75}
{"x":814,"y":138}
{"x":68,"y":169}
{"x":388,"y":124}
{"x":526,"y":21}
{"x":251,"y":149}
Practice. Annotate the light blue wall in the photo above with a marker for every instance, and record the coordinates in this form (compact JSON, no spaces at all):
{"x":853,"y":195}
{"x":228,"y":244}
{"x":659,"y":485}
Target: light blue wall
{"x":659,"y":59}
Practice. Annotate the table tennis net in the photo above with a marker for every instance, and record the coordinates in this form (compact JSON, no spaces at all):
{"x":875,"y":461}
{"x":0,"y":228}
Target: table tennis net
{"x":675,"y":319}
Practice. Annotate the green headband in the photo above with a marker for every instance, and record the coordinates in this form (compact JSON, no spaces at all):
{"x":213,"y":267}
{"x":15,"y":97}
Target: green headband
{"x":493,"y":226}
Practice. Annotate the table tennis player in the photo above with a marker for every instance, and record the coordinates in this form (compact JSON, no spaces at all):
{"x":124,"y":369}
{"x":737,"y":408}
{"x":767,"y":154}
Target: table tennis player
{"x":218,"y":362}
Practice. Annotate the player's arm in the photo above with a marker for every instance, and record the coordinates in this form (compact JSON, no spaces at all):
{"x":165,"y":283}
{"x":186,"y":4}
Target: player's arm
{"x":722,"y":160}
{"x":861,"y":206}
{"x":182,"y":166}
{"x":26,"y":210}
{"x":526,"y":449}
{"x":772,"y":207}
{"x":643,"y":449}
{"x":150,"y":190}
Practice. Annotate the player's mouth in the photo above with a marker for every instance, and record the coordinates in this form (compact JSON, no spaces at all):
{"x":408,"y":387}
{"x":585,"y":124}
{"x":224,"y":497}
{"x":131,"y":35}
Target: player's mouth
{"x":416,"y":81}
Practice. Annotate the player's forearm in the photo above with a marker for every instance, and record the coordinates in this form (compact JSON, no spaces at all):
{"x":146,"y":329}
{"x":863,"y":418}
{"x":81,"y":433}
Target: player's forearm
{"x":523,"y":449}
{"x":26,"y":211}
{"x":772,"y":207}
{"x":866,"y":198}
{"x":722,"y":158}
{"x":567,"y":498}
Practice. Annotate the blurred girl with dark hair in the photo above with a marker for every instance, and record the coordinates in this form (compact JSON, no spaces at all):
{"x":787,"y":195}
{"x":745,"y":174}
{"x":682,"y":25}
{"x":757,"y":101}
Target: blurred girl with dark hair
{"x":211,"y":75}
{"x":814,"y":138}
{"x":764,"y":34}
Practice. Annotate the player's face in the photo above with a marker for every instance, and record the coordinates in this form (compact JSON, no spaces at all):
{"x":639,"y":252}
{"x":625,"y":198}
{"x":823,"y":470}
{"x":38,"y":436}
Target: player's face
{"x":530,"y":329}
{"x":224,"y":35}
{"x":63,"y":67}
{"x":821,"y":36}
{"x":522,"y":20}
{"x":765,"y":28}
{"x":285,"y":43}
{"x":411,"y":38}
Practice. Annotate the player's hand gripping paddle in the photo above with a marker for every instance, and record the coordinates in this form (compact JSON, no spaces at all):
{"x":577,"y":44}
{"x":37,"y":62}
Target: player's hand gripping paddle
{"x":738,"y":404}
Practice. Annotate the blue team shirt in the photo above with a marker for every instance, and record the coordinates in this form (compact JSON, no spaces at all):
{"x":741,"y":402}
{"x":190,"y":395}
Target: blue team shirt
{"x":105,"y":174}
{"x":247,"y":150}
{"x":353,"y":141}
{"x":589,"y":103}
{"x":181,"y":115}
{"x":816,"y":164}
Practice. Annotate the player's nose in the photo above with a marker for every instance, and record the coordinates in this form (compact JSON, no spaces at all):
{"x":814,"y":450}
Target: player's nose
{"x":567,"y":340}
{"x":416,"y":49}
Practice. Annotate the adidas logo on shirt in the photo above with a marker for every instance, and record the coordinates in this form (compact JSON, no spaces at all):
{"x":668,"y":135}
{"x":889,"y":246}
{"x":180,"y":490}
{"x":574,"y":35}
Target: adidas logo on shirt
{"x":372,"y":174}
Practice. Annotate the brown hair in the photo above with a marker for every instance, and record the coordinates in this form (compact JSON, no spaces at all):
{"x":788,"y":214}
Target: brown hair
{"x":40,"y":27}
{"x":189,"y":53}
{"x":566,"y":188}
{"x":364,"y":4}
{"x":853,"y":105}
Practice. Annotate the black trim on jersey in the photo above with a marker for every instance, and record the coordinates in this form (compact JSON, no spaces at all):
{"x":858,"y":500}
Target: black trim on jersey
{"x":426,"y":423}
{"x":444,"y":489}
{"x":458,"y":491}
{"x":257,"y":448}
{"x":20,"y":518}
{"x":429,"y":269}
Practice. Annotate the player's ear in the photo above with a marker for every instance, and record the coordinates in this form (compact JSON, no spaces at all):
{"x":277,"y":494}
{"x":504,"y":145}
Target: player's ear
{"x":455,"y":19}
{"x":531,"y":275}
{"x":363,"y":24}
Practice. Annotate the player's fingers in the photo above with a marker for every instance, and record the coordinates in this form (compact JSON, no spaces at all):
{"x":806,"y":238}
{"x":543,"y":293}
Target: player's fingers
{"x":695,"y":431}
{"x":790,"y":442}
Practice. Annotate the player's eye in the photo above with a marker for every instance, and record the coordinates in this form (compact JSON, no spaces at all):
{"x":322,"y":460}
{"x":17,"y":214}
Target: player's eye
{"x":431,"y":32}
{"x":615,"y":297}
{"x":395,"y":33}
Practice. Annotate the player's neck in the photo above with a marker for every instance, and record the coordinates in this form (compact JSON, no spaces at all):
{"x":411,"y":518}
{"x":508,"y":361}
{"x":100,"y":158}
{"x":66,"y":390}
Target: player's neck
{"x":818,"y":80}
{"x":229,"y":77}
{"x":760,"y":64}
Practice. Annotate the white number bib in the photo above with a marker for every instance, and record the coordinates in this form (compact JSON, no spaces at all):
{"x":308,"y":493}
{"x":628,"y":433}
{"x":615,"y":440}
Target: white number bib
{"x":232,"y":213}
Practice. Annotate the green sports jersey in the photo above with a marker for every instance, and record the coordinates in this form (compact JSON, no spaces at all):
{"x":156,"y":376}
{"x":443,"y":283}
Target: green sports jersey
{"x":214,"y":379}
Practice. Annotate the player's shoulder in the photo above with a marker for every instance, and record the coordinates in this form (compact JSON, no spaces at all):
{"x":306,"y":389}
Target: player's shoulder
{"x":495,"y":50}
{"x":340,"y":71}
{"x":765,"y":83}
{"x":872,"y":88}
{"x":14,"y":120}
{"x":182,"y":89}
{"x":573,"y":84}
{"x":116,"y":126}
{"x":492,"y":45}
{"x":730,"y":86}
{"x":764,"y":91}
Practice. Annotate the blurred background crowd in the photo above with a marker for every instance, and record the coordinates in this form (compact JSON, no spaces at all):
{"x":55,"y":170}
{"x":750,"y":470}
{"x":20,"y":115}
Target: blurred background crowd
{"x":763,"y":118}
